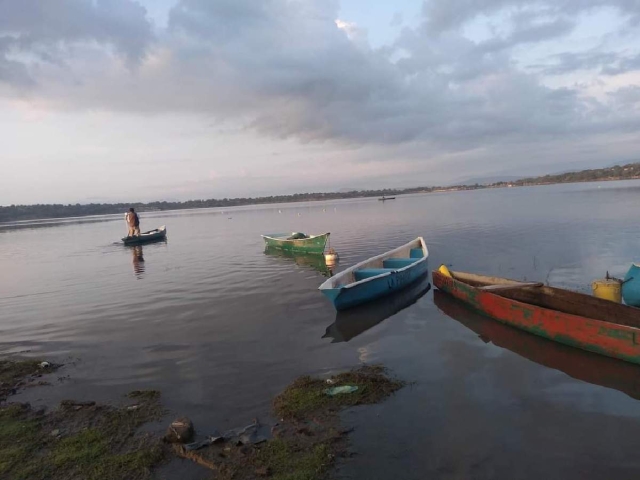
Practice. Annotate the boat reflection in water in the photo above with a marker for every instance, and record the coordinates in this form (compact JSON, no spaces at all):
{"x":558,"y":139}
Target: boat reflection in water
{"x":316,"y":262}
{"x":353,"y":321}
{"x":138,"y":261}
{"x":579,"y":364}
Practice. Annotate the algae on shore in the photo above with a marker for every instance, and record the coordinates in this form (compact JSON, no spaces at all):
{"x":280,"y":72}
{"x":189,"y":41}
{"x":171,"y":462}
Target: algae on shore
{"x":88,"y":441}
{"x":307,"y":395}
{"x":16,"y":373}
{"x":77,"y":440}
{"x":308,"y":438}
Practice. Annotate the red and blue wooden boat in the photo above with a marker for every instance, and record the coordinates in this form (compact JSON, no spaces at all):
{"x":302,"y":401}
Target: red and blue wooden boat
{"x":571,"y":318}
{"x":579,"y":364}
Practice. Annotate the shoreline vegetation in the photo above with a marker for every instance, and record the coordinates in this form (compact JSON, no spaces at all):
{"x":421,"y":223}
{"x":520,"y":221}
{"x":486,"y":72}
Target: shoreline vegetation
{"x":15,"y":213}
{"x":90,"y":441}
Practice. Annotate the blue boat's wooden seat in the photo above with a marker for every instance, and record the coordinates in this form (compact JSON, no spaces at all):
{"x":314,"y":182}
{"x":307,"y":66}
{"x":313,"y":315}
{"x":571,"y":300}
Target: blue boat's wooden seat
{"x":416,"y":253}
{"x":398,"y":262}
{"x":370,"y":272}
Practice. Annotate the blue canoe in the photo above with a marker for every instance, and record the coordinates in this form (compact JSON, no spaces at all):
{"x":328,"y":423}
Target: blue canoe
{"x":378,"y":276}
{"x":631,"y":286}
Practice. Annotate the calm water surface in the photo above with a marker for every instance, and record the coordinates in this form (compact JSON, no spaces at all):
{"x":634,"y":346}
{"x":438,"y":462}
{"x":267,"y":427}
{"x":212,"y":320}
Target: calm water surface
{"x":221,"y":328}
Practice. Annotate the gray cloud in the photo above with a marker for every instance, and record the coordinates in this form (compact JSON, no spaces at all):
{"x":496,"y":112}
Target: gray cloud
{"x":605,"y":63}
{"x":284,"y":69}
{"x":47,"y":30}
{"x":443,"y":16}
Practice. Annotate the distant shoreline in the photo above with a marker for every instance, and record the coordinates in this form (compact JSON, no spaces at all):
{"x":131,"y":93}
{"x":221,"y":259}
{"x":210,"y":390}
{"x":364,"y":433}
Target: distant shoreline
{"x":23,"y":213}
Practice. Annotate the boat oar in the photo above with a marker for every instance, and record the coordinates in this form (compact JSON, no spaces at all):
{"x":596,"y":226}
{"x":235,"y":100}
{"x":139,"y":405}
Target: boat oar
{"x":511,"y":286}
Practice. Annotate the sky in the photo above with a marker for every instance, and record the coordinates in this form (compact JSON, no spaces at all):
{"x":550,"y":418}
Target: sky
{"x":141,"y":100}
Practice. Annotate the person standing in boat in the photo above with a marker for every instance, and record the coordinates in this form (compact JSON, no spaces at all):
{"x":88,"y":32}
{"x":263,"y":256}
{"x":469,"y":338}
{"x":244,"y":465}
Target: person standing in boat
{"x":133,"y":222}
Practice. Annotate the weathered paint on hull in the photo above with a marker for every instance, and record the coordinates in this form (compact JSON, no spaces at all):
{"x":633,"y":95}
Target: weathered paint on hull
{"x":313,"y":245}
{"x":604,"y":338}
{"x":343,"y":298}
{"x":577,"y":363}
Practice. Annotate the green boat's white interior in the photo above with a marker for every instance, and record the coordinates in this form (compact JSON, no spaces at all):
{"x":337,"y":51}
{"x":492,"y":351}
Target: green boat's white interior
{"x":393,"y":260}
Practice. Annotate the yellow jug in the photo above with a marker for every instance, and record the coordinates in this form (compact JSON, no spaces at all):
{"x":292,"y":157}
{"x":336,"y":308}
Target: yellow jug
{"x":608,"y":289}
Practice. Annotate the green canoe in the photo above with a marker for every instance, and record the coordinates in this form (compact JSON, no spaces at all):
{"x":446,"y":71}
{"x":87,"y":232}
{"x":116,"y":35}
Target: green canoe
{"x":297,"y":242}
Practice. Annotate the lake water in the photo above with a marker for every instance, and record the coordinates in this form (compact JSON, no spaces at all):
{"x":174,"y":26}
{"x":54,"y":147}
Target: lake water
{"x":221,"y":328}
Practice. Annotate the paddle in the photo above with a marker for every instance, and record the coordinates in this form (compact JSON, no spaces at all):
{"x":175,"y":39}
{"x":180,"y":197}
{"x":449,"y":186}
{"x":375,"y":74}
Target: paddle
{"x":511,"y":286}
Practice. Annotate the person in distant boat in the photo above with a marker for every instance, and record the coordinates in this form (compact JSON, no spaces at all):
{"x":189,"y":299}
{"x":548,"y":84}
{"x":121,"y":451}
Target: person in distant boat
{"x":133,"y":222}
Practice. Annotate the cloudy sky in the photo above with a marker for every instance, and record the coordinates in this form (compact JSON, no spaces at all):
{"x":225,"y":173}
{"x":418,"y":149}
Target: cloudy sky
{"x":106,"y":100}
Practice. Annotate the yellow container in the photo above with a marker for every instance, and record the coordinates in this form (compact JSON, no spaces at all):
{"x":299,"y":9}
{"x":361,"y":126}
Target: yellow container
{"x":607,"y":289}
{"x":445,"y":271}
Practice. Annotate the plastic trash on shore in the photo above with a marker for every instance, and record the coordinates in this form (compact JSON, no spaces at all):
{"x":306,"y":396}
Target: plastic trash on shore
{"x":340,"y":390}
{"x":45,"y":364}
{"x":249,"y":435}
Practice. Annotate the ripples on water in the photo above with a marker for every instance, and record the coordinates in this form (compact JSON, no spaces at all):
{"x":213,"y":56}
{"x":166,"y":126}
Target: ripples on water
{"x":221,"y":327}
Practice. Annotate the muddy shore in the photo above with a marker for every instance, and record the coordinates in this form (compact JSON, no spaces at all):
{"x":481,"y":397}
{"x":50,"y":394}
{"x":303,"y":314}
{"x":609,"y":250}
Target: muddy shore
{"x":87,"y":440}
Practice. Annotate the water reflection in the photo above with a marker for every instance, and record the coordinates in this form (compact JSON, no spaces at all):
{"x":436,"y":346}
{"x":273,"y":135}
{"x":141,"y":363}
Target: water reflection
{"x":316,"y":262}
{"x":138,"y":261}
{"x":581,"y":365}
{"x":352,"y":322}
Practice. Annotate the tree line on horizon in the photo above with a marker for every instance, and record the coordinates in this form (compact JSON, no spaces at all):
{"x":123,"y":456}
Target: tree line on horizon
{"x":14,"y":213}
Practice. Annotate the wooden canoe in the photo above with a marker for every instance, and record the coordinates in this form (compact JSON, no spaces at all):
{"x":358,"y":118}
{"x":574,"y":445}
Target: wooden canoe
{"x":378,"y":276}
{"x":579,"y":364}
{"x":571,"y":318}
{"x":146,"y":237}
{"x":313,"y":244}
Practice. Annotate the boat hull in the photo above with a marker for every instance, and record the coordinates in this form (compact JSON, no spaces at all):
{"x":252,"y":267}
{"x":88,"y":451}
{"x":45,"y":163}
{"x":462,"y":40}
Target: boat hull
{"x":378,"y":287}
{"x":598,"y":336}
{"x":314,"y":245}
{"x":631,"y":286}
{"x":579,"y":364}
{"x":147,"y":237}
{"x":378,"y":276}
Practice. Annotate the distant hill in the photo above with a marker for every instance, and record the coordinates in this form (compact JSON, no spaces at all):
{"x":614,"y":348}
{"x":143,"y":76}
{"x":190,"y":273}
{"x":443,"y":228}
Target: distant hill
{"x":489,"y":180}
{"x":617,"y":172}
{"x":15,"y":213}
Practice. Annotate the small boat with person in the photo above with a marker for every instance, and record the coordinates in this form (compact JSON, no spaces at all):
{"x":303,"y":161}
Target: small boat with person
{"x":297,"y":242}
{"x":378,"y":276}
{"x":384,"y":199}
{"x":159,"y":233}
{"x":572,"y":318}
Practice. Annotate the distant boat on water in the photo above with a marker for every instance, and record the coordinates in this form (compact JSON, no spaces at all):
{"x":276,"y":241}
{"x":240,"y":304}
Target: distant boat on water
{"x":384,"y":199}
{"x":146,"y":237}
